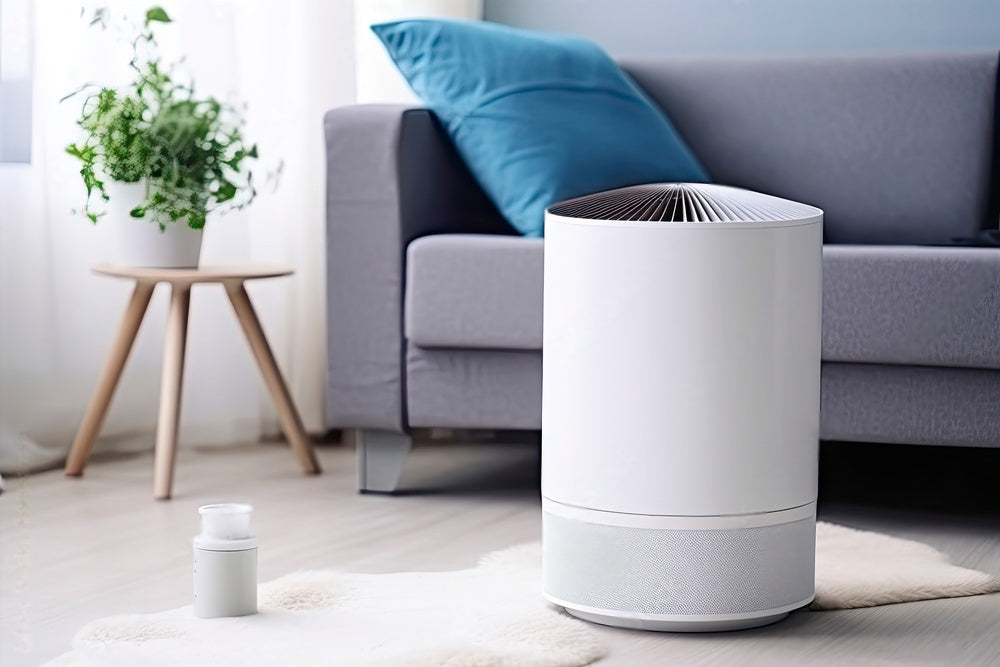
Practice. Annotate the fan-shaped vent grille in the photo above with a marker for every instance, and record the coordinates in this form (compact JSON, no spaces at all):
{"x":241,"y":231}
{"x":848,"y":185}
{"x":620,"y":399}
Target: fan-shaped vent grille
{"x":682,"y":202}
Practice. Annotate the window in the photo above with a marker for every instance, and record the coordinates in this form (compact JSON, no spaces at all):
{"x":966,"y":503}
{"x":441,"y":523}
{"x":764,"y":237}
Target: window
{"x":15,"y":80}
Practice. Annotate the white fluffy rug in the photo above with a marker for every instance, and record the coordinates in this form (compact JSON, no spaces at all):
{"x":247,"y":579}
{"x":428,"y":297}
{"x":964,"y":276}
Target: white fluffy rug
{"x":491,"y":615}
{"x":488,"y":616}
{"x":857,"y":568}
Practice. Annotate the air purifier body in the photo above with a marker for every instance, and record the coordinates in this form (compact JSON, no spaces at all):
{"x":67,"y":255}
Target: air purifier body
{"x":680,"y":406}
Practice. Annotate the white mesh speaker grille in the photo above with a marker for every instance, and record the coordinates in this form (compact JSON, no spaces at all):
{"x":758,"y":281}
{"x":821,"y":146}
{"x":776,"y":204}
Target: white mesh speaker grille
{"x":683,"y":202}
{"x":643,"y":571}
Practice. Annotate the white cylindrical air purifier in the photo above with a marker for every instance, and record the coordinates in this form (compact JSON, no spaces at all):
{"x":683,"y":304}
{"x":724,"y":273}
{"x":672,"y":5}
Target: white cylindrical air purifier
{"x":680,"y":406}
{"x":225,"y":562}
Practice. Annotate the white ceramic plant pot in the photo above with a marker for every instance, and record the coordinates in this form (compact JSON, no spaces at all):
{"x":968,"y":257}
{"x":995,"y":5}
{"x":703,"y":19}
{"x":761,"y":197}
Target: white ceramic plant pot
{"x":140,"y":241}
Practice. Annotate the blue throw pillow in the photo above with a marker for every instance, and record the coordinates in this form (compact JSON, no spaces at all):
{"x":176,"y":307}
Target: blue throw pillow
{"x":537,"y":117}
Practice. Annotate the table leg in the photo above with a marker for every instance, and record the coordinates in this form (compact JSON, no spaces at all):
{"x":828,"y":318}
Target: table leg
{"x":291,"y":423}
{"x":170,"y":391}
{"x":111,"y":373}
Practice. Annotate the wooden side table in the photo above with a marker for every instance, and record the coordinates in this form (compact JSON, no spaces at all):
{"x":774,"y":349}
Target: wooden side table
{"x":181,"y":280}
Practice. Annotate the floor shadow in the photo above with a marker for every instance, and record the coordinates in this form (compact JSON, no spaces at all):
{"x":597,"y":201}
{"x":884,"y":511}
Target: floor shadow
{"x":948,"y":480}
{"x":951,"y":481}
{"x":491,"y":466}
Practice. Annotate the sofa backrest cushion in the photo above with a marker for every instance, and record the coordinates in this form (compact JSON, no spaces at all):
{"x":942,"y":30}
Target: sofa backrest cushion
{"x":437,"y":194}
{"x":895,"y":149}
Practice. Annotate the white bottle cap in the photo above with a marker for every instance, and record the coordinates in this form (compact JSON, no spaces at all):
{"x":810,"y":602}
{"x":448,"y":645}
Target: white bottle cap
{"x":225,"y":526}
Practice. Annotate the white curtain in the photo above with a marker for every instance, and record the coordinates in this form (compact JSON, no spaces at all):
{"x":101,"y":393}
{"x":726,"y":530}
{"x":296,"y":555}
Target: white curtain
{"x":289,"y":62}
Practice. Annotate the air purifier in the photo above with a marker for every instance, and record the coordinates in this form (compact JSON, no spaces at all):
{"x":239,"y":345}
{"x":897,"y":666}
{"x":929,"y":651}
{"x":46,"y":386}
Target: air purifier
{"x":680,"y":406}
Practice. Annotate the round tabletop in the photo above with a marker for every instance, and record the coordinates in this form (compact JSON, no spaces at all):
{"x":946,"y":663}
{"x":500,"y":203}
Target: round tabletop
{"x":202,"y":274}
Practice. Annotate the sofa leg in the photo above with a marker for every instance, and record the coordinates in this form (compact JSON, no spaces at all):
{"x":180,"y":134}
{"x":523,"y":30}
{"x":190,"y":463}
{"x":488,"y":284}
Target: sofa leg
{"x":381,"y":455}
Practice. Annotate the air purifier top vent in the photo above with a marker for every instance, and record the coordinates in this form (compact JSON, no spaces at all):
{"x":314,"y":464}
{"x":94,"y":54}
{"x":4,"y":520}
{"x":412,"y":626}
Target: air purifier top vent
{"x":683,"y":202}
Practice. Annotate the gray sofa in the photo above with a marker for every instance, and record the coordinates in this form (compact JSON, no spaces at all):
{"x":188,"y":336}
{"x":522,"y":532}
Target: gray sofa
{"x":434,"y":304}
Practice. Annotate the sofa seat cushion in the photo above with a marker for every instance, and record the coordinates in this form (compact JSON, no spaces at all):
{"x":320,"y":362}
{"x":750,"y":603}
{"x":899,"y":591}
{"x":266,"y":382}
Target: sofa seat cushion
{"x":909,"y":305}
{"x":474,"y":291}
{"x":923,"y":306}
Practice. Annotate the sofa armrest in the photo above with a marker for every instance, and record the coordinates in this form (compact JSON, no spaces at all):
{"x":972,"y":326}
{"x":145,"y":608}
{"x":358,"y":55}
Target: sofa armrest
{"x":392,"y":176}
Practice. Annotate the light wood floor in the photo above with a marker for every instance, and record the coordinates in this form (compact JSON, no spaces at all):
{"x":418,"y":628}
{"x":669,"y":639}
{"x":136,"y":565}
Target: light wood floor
{"x":76,"y":549}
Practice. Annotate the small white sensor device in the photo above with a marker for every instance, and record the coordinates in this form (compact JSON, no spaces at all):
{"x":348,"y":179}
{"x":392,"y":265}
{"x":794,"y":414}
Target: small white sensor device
{"x":225,"y":562}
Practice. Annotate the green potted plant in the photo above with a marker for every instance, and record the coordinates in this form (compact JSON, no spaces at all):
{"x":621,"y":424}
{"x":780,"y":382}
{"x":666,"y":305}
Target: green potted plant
{"x":160,"y":157}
